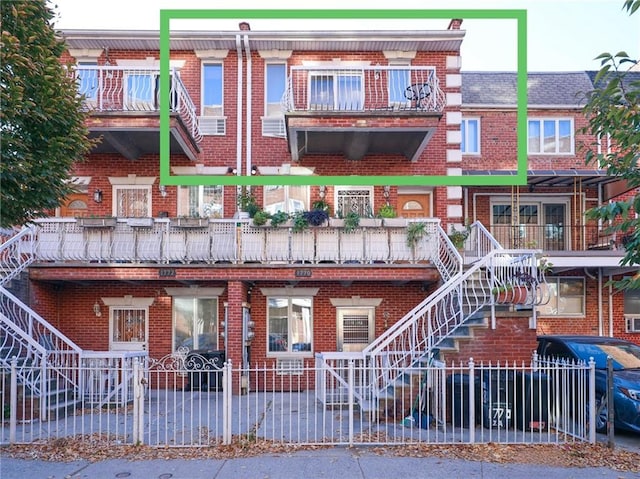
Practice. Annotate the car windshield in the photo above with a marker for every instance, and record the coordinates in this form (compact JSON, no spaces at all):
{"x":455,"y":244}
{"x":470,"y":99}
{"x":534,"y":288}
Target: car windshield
{"x":625,"y":356}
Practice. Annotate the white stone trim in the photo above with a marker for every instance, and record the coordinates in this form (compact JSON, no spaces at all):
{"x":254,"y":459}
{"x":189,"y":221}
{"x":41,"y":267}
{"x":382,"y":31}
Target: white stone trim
{"x":453,"y":118}
{"x":395,"y":55}
{"x":128,"y":301}
{"x":87,"y":55}
{"x":454,"y":192}
{"x":132,"y":180}
{"x":275,"y":54}
{"x":453,"y":80}
{"x":454,"y":136}
{"x":454,"y":62}
{"x":454,"y":171}
{"x":195,"y":291}
{"x":211,"y":54}
{"x":149,"y":62}
{"x":199,"y":170}
{"x":454,"y":99}
{"x":289,"y":291}
{"x":355,"y":301}
{"x":454,"y":211}
{"x":454,"y":156}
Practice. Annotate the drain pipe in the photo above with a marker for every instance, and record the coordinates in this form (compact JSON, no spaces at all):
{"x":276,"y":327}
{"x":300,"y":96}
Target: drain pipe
{"x":610,"y":306}
{"x":247,"y":52}
{"x":239,"y":111}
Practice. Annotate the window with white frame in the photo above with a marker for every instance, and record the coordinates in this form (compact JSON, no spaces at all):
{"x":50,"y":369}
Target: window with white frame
{"x":87,"y":78}
{"x":195,"y":323}
{"x":289,"y":324}
{"x":274,"y":86}
{"x":632,"y":310}
{"x":201,"y":200}
{"x":549,"y":136}
{"x":398,"y":81}
{"x":357,"y":199}
{"x":470,"y":130}
{"x":287,"y":198}
{"x":132,"y":201}
{"x":212,"y":88}
{"x":336,"y":90}
{"x":567,"y":297}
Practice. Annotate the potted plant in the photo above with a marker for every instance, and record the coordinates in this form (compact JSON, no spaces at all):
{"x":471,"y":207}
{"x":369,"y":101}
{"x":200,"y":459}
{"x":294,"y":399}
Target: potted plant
{"x":247,"y":203}
{"x":317,"y":217}
{"x":458,"y":237}
{"x":260,"y":218}
{"x":387,"y":211}
{"x":351,"y":222}
{"x":516,"y":290}
{"x":279,"y":218}
{"x":300,"y":222}
{"x":321,"y":205}
{"x":415,"y":232}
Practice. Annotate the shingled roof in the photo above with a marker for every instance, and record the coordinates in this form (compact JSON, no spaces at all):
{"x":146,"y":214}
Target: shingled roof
{"x":545,"y":89}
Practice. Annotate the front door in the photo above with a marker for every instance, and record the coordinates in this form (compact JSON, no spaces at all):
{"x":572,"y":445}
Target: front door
{"x":355,"y":329}
{"x":74,"y":205}
{"x":128,"y":329}
{"x":414,"y":205}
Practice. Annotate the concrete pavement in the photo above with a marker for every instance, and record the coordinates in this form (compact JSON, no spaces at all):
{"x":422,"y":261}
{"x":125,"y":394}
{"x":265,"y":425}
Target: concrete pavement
{"x":337,"y":462}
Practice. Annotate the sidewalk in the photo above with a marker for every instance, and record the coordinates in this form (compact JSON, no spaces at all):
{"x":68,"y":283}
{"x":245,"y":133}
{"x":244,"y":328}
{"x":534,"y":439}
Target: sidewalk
{"x":340,"y":462}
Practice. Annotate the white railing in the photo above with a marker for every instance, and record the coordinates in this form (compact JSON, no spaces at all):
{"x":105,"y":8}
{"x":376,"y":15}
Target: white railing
{"x":436,"y":404}
{"x":222,"y":240}
{"x":359,"y":89}
{"x":17,"y":252}
{"x":125,"y":89}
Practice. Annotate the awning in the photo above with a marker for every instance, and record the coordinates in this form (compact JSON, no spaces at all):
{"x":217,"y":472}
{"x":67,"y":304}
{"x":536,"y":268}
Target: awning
{"x":554,"y":178}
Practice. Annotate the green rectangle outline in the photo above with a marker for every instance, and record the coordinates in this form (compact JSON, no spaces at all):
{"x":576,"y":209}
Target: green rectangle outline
{"x":520,"y":178}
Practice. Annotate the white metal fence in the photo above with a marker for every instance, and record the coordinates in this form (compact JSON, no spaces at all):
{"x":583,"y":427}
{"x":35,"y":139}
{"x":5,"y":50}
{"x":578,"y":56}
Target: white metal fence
{"x":195,"y":401}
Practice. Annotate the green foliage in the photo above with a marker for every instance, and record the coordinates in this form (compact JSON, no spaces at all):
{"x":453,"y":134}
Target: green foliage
{"x":247,"y":202}
{"x":458,"y":237}
{"x":278,"y":218}
{"x":43,"y":123}
{"x":321,"y":205}
{"x":351,"y":221}
{"x":300,"y":222}
{"x":387,"y":211}
{"x":415,"y":232}
{"x":260,"y":218}
{"x":613,"y":111}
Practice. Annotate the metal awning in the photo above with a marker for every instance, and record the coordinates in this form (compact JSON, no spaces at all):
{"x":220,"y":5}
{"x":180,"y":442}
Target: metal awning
{"x":554,"y":178}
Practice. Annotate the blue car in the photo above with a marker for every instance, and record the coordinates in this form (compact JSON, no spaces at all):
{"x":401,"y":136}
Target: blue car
{"x":626,"y":373}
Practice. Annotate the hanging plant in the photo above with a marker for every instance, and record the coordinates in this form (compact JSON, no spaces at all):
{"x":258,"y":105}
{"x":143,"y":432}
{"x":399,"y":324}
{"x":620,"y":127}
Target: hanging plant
{"x":415,"y":232}
{"x":317,"y":217}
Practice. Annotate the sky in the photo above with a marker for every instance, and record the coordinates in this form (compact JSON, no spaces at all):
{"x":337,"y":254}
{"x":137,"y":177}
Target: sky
{"x":563,"y":35}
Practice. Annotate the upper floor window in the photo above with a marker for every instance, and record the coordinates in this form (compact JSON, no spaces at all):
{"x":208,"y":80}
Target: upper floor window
{"x":398,"y":82}
{"x":212,"y":89}
{"x":274,"y":86}
{"x":470,"y":130}
{"x":287,"y":198}
{"x":550,"y":136}
{"x":132,"y":201}
{"x":332,"y":90}
{"x":567,"y":297}
{"x":87,"y":75}
{"x":201,"y":200}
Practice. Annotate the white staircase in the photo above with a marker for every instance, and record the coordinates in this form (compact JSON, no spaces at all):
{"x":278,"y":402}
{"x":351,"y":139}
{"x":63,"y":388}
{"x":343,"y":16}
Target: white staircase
{"x":44,"y":360}
{"x":464,"y":296}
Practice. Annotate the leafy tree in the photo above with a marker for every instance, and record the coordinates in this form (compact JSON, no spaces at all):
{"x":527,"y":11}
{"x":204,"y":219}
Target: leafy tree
{"x":613,"y":110}
{"x":41,"y":117}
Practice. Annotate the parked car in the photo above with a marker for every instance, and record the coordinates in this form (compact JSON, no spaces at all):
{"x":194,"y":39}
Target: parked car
{"x":626,"y":373}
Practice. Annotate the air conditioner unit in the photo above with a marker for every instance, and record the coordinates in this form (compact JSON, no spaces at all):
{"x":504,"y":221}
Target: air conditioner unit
{"x":633,"y":324}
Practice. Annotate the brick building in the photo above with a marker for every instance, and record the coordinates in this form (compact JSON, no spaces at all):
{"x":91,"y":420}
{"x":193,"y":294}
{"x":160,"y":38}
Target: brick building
{"x":128,"y":264}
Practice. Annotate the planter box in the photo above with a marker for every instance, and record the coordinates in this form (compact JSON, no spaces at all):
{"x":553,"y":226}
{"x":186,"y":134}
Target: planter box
{"x":140,"y":222}
{"x":97,"y":222}
{"x":190,"y":222}
{"x":371,"y":222}
{"x":395,"y":222}
{"x":515,"y":295}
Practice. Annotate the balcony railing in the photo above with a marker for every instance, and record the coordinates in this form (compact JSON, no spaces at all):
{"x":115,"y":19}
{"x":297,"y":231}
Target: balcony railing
{"x":374,"y":88}
{"x":162,"y":240}
{"x":123,"y":89}
{"x":558,"y":237}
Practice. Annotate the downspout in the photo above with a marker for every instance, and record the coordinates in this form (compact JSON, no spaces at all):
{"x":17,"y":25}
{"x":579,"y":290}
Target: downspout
{"x":239,"y":109}
{"x":247,"y":52}
{"x":610,"y":306}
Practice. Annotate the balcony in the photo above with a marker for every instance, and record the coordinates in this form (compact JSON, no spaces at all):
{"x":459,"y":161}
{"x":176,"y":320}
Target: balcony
{"x":164,"y":240}
{"x":125,"y":111}
{"x":361,"y":111}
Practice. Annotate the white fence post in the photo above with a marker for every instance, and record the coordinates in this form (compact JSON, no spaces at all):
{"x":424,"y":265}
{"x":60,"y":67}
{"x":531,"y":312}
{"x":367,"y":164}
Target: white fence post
{"x":350,"y":380}
{"x":13,"y":401}
{"x":472,"y":403}
{"x":227,"y":405}
{"x":592,"y":401}
{"x":138,"y":404}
